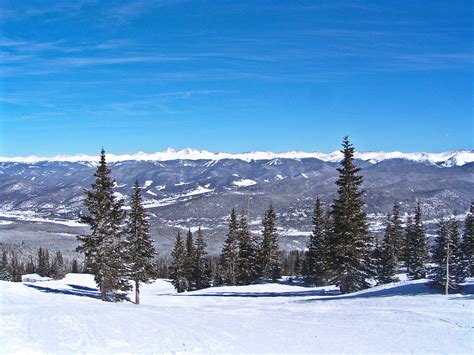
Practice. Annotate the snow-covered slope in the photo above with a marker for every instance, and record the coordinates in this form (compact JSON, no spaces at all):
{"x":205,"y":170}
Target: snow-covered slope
{"x":451,"y":158}
{"x":66,"y":317}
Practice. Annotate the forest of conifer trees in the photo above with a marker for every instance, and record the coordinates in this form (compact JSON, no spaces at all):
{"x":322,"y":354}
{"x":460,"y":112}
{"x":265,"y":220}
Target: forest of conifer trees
{"x":341,"y":250}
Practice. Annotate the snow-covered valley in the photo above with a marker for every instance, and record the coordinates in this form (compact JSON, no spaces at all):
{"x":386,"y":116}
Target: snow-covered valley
{"x":65,"y":316}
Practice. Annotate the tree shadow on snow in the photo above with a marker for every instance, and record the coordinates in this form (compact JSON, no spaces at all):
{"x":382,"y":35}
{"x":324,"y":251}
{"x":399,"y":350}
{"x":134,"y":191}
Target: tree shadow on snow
{"x":77,"y":290}
{"x":83,"y":288}
{"x":403,"y":289}
{"x":265,"y":294}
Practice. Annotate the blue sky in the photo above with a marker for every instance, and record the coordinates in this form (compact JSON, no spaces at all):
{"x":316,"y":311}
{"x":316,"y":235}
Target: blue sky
{"x":234,"y":76}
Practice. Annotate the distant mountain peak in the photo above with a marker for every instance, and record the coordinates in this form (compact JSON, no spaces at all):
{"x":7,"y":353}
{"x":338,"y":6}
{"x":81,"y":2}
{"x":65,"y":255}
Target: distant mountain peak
{"x":445,"y":159}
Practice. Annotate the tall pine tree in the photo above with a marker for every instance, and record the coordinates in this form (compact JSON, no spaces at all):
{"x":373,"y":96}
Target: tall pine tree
{"x":44,"y":268}
{"x":270,"y":262}
{"x":315,"y":257}
{"x":139,"y":244}
{"x":230,"y":252}
{"x":417,"y":252}
{"x":396,"y":226}
{"x":202,"y":272}
{"x":468,"y":240}
{"x":248,"y":268}
{"x":388,"y":262}
{"x":450,"y":268}
{"x":177,"y":269}
{"x":104,"y":248}
{"x":190,"y":261}
{"x":350,"y":243}
{"x":58,"y":270}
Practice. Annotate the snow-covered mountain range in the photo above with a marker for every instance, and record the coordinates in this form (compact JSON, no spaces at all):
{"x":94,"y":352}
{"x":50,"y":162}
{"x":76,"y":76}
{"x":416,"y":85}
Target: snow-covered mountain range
{"x":41,"y":198}
{"x":445,"y":159}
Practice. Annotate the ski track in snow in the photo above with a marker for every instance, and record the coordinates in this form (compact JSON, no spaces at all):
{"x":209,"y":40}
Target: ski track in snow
{"x":61,"y":316}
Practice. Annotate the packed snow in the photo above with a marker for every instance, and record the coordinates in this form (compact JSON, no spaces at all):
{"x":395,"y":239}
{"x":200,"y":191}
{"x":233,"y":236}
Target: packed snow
{"x":66,"y":316}
{"x":450,"y":158}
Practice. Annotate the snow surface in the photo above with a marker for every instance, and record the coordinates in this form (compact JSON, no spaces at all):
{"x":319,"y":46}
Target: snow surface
{"x":178,"y":197}
{"x":32,"y":216}
{"x":66,"y":317}
{"x":450,"y":158}
{"x":244,"y":182}
{"x":147,"y":184}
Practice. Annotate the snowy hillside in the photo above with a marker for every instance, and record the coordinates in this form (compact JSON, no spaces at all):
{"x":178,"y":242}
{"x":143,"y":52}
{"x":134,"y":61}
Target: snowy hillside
{"x":65,"y":316}
{"x":450,"y":158}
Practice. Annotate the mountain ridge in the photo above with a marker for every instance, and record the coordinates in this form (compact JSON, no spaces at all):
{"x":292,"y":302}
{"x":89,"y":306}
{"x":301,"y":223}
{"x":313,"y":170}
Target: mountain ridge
{"x":444,"y":159}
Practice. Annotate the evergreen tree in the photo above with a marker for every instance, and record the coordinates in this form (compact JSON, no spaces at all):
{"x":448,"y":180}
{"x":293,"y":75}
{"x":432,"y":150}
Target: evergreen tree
{"x":4,"y":261}
{"x":177,"y":271}
{"x":248,"y":263}
{"x":139,"y":244}
{"x":417,"y":249}
{"x":104,"y":248}
{"x":30,"y":266}
{"x":5,"y":274}
{"x":298,"y":265}
{"x":57,"y":267}
{"x":388,"y":264}
{"x":270,"y":262}
{"x":377,"y":259}
{"x":408,"y":234}
{"x":450,"y":268}
{"x":190,"y":261}
{"x":230,"y":252}
{"x":329,"y":274}
{"x":202,"y":273}
{"x":75,"y":267}
{"x":468,"y":240}
{"x":314,"y":258}
{"x":396,"y":226}
{"x":16,"y":269}
{"x":44,"y":268}
{"x":350,"y":244}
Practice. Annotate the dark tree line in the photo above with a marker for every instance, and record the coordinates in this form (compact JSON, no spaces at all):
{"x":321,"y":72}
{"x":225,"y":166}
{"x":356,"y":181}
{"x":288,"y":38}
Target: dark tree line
{"x":190,"y":269}
{"x":245,"y":257}
{"x":12,"y":267}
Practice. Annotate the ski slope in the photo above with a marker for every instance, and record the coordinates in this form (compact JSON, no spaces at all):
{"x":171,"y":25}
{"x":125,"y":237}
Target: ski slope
{"x":66,"y":317}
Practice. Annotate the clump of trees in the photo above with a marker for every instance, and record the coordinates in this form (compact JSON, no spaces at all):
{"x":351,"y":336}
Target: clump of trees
{"x":342,"y":251}
{"x":245,"y":258}
{"x":190,"y":269}
{"x":14,"y":264}
{"x":119,"y":248}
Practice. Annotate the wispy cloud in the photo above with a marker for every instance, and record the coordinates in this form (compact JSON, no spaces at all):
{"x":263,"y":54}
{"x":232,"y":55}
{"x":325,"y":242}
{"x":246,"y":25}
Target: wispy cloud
{"x":124,"y":13}
{"x":87,"y":61}
{"x":24,"y":10}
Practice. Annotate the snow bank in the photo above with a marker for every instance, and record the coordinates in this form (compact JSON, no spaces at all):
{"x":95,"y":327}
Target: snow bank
{"x":244,"y":182}
{"x":34,"y":278}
